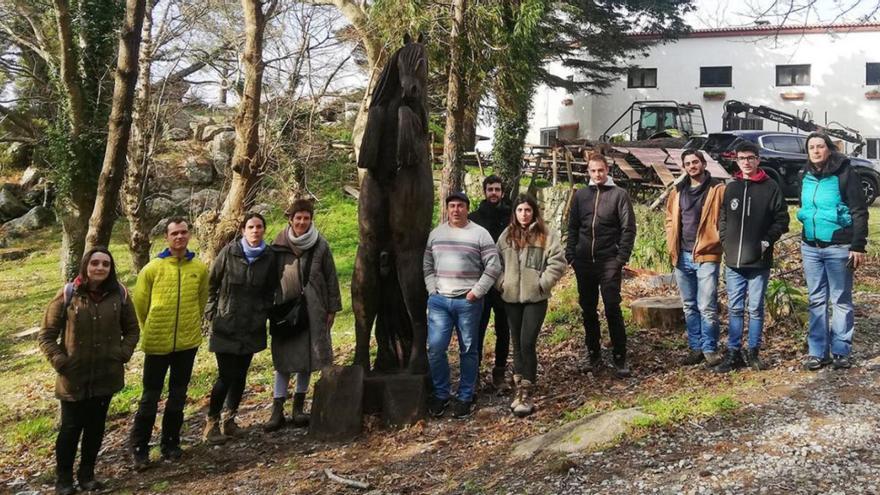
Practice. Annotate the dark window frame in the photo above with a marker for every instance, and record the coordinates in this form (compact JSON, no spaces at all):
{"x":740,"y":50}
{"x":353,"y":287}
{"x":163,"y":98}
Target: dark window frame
{"x":872,"y":73}
{"x":726,"y":80}
{"x":872,"y":148}
{"x":793,"y":82}
{"x":641,"y":72}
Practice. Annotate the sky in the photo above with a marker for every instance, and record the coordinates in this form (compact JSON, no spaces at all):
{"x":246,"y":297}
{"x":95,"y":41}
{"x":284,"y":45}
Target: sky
{"x":731,"y":13}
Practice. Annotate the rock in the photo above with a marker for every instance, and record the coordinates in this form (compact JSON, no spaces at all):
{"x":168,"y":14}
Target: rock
{"x":221,"y":149}
{"x":177,"y":134}
{"x":159,"y":228}
{"x":210,"y":131}
{"x":181,"y":194}
{"x":262,"y":209}
{"x":198,"y":126}
{"x":199,"y":170}
{"x":160,"y":207}
{"x":12,"y":254}
{"x":337,"y":408}
{"x":591,"y":431}
{"x":19,"y":155}
{"x":201,"y":201}
{"x":30,"y":178}
{"x":658,"y":312}
{"x":10,"y":206}
{"x":39,"y":195}
{"x":37,"y":218}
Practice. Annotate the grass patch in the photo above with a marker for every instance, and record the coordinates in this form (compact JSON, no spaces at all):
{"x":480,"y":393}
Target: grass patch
{"x":39,"y":431}
{"x":579,"y":413}
{"x":681,"y":407}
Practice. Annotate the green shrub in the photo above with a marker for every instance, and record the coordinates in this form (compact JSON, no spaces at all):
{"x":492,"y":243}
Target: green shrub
{"x":650,"y":250}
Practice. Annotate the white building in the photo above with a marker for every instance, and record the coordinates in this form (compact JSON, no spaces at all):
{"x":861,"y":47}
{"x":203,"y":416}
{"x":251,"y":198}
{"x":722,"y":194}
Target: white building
{"x":829,"y":71}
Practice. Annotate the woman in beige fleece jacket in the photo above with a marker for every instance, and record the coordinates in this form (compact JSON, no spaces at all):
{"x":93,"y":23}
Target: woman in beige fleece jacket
{"x":533,"y":262}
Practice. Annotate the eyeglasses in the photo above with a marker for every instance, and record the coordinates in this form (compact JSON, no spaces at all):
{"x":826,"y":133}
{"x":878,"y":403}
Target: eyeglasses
{"x":751,"y":158}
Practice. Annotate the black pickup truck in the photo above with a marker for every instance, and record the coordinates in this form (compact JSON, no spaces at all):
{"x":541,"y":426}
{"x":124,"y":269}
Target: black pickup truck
{"x":782,"y":157}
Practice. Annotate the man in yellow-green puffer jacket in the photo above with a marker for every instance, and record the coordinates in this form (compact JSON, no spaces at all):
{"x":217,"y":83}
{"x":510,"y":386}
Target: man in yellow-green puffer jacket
{"x":169,"y":299}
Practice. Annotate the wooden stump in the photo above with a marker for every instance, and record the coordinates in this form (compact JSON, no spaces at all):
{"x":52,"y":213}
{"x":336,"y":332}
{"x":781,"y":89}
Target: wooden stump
{"x":658,"y":312}
{"x":337,"y":409}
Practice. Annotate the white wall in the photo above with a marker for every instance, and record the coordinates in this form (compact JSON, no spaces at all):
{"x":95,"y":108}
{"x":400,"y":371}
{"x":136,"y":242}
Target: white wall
{"x":837,"y":81}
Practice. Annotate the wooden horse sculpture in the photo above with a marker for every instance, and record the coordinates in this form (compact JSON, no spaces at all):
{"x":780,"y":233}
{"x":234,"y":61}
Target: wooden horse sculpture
{"x":394,"y":211}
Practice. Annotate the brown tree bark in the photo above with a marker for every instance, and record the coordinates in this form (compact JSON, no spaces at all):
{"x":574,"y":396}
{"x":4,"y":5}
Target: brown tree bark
{"x":69,"y":78}
{"x":453,"y":172}
{"x":140,"y":149}
{"x":119,"y":127}
{"x":246,"y":162}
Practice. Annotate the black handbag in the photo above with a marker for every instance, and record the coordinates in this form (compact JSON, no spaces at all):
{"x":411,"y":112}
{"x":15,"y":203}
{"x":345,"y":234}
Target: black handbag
{"x":288,"y":318}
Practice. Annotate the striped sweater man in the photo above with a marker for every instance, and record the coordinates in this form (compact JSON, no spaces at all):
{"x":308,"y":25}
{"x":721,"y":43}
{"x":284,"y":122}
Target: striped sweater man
{"x":460,"y":259}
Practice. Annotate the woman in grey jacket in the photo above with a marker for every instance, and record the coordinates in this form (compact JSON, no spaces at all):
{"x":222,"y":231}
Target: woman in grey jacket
{"x":533,"y":262}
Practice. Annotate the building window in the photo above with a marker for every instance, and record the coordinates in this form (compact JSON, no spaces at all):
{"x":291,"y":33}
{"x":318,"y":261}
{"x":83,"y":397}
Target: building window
{"x":873,"y":149}
{"x":872,"y":74}
{"x":716,"y":77}
{"x":793,"y":75}
{"x":641,"y":78}
{"x":549,"y":135}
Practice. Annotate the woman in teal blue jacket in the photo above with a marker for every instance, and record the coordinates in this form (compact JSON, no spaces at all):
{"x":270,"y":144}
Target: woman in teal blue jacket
{"x":835,"y":231}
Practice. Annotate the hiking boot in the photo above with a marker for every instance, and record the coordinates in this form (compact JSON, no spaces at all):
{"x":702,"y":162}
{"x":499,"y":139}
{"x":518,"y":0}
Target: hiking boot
{"x":172,"y":453}
{"x":140,"y":459}
{"x":463,"y":409}
{"x":732,"y":360}
{"x":230,"y":429}
{"x":525,"y":406}
{"x":621,"y":370}
{"x":517,"y":392}
{"x":276,"y":421}
{"x":437,"y":407}
{"x":86,"y":477}
{"x":592,"y":363}
{"x":712,"y":358}
{"x":212,"y":433}
{"x":64,"y":483}
{"x":298,"y":416}
{"x":812,"y":363}
{"x":753,"y":360}
{"x":91,"y":485}
{"x":693,"y":357}
{"x":498,"y":380}
{"x":839,"y":362}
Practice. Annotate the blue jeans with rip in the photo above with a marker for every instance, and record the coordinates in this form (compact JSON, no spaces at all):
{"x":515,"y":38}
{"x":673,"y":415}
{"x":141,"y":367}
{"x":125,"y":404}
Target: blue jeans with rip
{"x":698,"y":286}
{"x":444,"y":314}
{"x":745,"y":284}
{"x":829,"y":282}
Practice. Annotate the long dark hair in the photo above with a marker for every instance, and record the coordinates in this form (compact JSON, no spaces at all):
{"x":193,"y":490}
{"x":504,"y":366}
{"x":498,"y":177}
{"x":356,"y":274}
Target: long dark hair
{"x":518,"y":237}
{"x":111,"y":282}
{"x":824,"y":137}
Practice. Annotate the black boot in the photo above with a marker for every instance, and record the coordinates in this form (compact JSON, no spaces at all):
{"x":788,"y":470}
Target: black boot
{"x":299,"y":417}
{"x":172,"y":422}
{"x":140,"y":440}
{"x":621,"y":370}
{"x":753,"y":360}
{"x":64,"y":483}
{"x":276,"y":421}
{"x":87,"y":481}
{"x":592,"y":363}
{"x":732,"y":360}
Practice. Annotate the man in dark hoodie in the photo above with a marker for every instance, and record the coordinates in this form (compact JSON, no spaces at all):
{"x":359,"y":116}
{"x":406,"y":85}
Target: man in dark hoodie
{"x":753,"y":217}
{"x":601,"y":235}
{"x":493,"y":214}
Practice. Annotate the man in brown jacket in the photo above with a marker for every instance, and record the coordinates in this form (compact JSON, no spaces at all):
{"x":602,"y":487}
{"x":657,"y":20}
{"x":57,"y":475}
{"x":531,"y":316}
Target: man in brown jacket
{"x":692,"y":211}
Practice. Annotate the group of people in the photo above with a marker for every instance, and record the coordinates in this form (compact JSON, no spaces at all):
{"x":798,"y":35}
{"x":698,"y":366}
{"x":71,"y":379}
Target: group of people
{"x":741,"y":221}
{"x":93,"y":324}
{"x":501,"y":258}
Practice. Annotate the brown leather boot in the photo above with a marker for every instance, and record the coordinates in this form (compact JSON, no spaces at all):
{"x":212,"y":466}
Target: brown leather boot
{"x":299,"y":417}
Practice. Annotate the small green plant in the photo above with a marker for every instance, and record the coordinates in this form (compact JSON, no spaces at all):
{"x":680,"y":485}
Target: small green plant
{"x":579,"y":413}
{"x":650,"y":251}
{"x":681,"y":407}
{"x":786,"y":301}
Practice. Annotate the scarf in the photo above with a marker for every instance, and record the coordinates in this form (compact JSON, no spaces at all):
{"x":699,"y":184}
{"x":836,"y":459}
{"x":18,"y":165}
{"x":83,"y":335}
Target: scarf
{"x":252,"y":253}
{"x":304,"y":242}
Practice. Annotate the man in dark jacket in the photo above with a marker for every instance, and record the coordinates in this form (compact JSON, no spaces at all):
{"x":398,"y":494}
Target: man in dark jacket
{"x":601,"y":235}
{"x":753,"y":217}
{"x":493,"y":215}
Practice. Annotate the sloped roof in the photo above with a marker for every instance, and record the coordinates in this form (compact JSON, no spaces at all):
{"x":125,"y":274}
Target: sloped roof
{"x":774,"y":30}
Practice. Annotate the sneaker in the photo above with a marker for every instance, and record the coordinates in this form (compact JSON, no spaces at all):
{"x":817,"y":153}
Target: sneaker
{"x":173,"y":453}
{"x":437,"y":407}
{"x":693,"y":357}
{"x":462,"y":409}
{"x":839,"y":362}
{"x":812,"y":363}
{"x":621,"y":370}
{"x":732,"y":360}
{"x":712,"y":358}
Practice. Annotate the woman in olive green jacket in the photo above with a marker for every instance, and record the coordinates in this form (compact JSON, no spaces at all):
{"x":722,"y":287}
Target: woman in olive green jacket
{"x":89,"y":331}
{"x":533,"y":262}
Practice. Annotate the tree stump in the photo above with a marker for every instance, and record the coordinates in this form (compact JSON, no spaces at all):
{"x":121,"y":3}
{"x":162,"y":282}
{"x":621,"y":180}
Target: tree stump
{"x":337,"y":409}
{"x":658,"y":312}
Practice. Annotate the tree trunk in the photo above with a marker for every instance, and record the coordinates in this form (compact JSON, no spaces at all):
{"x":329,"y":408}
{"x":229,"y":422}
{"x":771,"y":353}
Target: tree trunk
{"x":453,"y":173}
{"x":69,"y":77}
{"x":246,"y":162}
{"x":74,"y":224}
{"x":119,"y":128}
{"x":135,"y":185}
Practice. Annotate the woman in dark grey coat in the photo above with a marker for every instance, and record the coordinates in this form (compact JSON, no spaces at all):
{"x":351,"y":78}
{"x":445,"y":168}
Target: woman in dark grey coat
{"x":307,"y":273}
{"x":242,"y":287}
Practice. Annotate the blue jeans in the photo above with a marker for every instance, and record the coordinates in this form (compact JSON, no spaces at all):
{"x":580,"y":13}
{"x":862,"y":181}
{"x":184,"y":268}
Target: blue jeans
{"x":745,"y":283}
{"x":444,"y":314}
{"x":698,"y":285}
{"x":829,"y":281}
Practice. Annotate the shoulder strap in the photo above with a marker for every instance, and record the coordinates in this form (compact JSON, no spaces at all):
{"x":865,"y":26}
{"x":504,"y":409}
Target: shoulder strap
{"x":68,"y":295}
{"x":307,"y":267}
{"x":123,"y":293}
